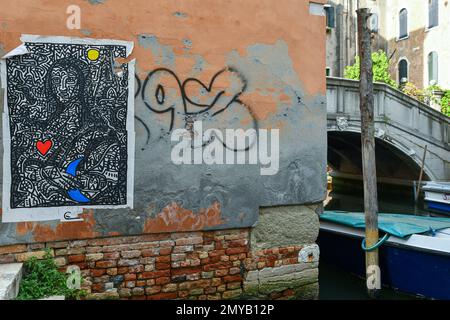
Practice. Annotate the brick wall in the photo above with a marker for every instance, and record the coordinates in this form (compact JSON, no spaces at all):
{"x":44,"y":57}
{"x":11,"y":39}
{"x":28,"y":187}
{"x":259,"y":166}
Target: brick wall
{"x":195,"y":265}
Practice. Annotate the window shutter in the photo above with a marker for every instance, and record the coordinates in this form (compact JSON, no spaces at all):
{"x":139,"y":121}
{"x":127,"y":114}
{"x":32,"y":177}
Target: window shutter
{"x":403,"y":21}
{"x":433,"y":13}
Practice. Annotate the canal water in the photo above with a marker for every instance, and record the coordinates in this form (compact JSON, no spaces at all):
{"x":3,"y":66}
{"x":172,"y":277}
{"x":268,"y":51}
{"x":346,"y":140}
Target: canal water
{"x":348,"y":196}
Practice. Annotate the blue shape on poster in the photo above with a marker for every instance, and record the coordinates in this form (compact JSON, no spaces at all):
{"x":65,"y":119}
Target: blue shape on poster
{"x":75,"y":194}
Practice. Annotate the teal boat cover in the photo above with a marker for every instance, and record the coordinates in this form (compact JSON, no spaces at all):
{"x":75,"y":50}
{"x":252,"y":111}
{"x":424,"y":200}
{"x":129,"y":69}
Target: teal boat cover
{"x":399,"y":225}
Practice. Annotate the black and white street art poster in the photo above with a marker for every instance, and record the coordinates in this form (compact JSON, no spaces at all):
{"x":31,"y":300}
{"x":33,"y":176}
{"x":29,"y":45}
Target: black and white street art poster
{"x":68,"y":127}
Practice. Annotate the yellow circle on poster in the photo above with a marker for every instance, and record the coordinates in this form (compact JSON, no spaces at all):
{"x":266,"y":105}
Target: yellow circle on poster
{"x":93,"y":54}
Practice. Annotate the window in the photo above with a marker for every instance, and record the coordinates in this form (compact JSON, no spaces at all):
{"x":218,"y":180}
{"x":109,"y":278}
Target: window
{"x":403,"y":24}
{"x":374,"y":22}
{"x":328,"y":72}
{"x":402,"y":71}
{"x":330,"y":14}
{"x":432,"y":68}
{"x":433,"y":13}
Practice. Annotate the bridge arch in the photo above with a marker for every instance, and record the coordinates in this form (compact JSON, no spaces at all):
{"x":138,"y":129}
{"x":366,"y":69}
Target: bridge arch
{"x":394,"y":161}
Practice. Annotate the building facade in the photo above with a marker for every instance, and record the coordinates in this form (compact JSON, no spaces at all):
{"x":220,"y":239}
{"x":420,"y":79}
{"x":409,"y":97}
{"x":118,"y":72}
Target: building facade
{"x":411,"y":32}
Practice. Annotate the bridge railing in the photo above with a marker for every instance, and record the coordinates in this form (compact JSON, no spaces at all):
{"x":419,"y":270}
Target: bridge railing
{"x":390,"y":106}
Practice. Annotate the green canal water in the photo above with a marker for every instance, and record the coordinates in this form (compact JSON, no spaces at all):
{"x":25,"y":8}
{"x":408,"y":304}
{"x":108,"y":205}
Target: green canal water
{"x":337,"y":284}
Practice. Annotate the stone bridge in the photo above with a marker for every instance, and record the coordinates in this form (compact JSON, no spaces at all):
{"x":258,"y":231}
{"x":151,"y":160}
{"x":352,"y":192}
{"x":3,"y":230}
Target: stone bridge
{"x":404,"y":126}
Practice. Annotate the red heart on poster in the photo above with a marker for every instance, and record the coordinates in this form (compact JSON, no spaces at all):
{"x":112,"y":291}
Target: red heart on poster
{"x":43,"y":147}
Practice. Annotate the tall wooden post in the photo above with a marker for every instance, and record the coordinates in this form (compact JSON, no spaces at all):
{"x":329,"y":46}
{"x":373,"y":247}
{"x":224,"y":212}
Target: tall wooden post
{"x":368,"y":151}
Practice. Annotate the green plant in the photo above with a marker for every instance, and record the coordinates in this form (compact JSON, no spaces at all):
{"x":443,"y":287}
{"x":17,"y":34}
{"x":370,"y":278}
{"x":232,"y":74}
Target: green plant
{"x":445,"y":103}
{"x":380,"y":69}
{"x":412,"y":91}
{"x":42,"y":279}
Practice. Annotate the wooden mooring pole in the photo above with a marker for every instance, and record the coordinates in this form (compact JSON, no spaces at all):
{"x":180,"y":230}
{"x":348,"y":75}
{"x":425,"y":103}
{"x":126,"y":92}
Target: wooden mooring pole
{"x":366,"y":106}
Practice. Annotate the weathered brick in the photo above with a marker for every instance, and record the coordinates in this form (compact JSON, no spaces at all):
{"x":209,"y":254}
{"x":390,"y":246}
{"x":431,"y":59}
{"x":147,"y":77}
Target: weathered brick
{"x":94,"y":256}
{"x":150,"y":252}
{"x":218,"y":265}
{"x":15,"y":248}
{"x":222,"y":288}
{"x":111,"y":255}
{"x":127,"y":262}
{"x":162,"y":280}
{"x":233,"y":278}
{"x":210,"y":290}
{"x":236,"y":250}
{"x":154,"y":274}
{"x":196,"y":291}
{"x":130,"y":254}
{"x":178,"y":256}
{"x":147,"y":260}
{"x":163,"y":296}
{"x":182,"y":249}
{"x":193,"y":276}
{"x":152,"y":290}
{"x":98,"y":272}
{"x":36,"y":246}
{"x":162,"y":265}
{"x":129,"y":276}
{"x":207,"y":275}
{"x":165,"y":251}
{"x":231,"y":294}
{"x":185,"y":271}
{"x":125,"y":292}
{"x":57,"y":245}
{"x":234,"y":270}
{"x":98,"y":287}
{"x":149,"y":267}
{"x":137,"y":291}
{"x":163,"y":259}
{"x":136,"y":269}
{"x":78,"y":243}
{"x":194,"y":284}
{"x":111,"y":271}
{"x":221,"y":272}
{"x":7,"y":258}
{"x":122,"y":270}
{"x":102,"y":279}
{"x":166,"y":243}
{"x":170,"y":287}
{"x":188,"y":241}
{"x":234,"y":285}
{"x":21,"y":257}
{"x":76,"y":251}
{"x":106,"y":264}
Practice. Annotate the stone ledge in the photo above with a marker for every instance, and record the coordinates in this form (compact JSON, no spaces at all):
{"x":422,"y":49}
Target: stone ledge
{"x":301,"y":277}
{"x":10,"y":276}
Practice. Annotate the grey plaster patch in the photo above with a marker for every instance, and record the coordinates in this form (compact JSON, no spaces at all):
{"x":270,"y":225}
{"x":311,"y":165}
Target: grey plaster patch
{"x":86,"y":32}
{"x":309,"y":253}
{"x":179,"y":14}
{"x":96,"y":1}
{"x":285,"y":226}
{"x":163,"y":54}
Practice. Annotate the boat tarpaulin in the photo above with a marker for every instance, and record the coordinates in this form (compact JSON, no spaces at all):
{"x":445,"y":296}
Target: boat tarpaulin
{"x":399,"y":225}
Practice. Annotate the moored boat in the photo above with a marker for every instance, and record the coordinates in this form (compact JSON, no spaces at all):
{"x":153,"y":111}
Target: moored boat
{"x":437,"y":196}
{"x":414,"y":259}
